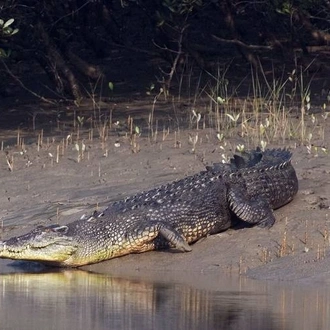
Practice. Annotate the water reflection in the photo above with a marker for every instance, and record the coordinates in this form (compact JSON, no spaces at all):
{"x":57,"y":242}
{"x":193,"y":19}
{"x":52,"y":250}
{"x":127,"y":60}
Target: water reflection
{"x":71,"y":299}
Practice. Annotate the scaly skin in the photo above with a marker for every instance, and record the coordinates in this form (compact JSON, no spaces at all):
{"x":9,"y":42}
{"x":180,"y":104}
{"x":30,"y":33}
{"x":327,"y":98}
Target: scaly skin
{"x":173,"y":215}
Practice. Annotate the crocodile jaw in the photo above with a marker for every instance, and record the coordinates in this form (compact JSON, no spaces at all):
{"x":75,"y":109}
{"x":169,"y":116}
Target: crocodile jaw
{"x":41,"y":245}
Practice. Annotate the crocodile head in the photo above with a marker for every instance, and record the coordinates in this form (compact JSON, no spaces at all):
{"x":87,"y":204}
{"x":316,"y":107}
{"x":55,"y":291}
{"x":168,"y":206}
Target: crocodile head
{"x":49,"y":244}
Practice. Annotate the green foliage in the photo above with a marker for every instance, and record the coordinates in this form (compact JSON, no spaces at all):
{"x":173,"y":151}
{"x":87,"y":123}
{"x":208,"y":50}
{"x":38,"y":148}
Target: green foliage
{"x":287,"y":6}
{"x":181,"y":7}
{"x":174,"y":8}
{"x":6,"y":31}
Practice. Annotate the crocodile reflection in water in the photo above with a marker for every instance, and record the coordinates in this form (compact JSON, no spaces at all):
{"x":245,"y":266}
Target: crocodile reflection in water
{"x":104,"y":302}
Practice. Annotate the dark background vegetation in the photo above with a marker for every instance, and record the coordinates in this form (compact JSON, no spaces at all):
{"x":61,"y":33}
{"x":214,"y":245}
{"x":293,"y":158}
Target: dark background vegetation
{"x":72,"y":50}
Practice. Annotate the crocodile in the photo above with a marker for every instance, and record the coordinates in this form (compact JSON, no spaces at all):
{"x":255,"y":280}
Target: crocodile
{"x":174,"y":215}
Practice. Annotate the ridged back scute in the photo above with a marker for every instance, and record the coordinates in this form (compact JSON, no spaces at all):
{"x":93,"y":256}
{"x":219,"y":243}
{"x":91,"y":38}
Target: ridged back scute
{"x":253,"y":162}
{"x":275,"y":156}
{"x":247,"y":159}
{"x":243,"y":161}
{"x":271,"y":160}
{"x":245,"y":164}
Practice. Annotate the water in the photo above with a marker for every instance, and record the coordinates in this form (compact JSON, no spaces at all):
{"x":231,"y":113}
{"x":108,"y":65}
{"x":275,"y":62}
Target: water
{"x":73,"y":299}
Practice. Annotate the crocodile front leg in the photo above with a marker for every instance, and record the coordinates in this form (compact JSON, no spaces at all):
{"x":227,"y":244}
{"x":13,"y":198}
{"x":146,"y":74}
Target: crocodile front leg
{"x":156,"y":235}
{"x":254,"y":210}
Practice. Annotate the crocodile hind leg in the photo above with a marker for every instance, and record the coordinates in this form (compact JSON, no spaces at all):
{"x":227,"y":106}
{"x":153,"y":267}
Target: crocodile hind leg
{"x":156,"y":235}
{"x":254,"y":210}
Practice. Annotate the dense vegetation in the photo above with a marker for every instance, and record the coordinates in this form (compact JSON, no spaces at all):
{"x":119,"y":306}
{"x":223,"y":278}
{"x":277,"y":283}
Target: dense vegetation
{"x":68,"y":38}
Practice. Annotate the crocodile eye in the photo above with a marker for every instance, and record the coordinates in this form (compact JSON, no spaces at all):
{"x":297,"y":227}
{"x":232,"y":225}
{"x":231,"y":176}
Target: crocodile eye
{"x":61,"y":229}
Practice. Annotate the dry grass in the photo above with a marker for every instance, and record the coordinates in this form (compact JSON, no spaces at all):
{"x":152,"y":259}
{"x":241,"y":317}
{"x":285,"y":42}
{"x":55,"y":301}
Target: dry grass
{"x":275,"y":112}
